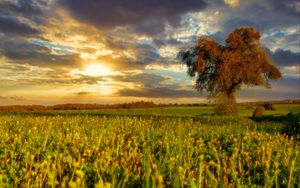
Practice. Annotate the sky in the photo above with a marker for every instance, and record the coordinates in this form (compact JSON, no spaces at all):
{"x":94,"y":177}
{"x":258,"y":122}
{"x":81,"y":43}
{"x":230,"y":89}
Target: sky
{"x":118,"y":51}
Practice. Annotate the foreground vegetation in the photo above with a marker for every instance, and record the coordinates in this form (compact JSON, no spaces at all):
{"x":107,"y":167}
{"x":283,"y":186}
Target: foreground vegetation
{"x":148,"y":151}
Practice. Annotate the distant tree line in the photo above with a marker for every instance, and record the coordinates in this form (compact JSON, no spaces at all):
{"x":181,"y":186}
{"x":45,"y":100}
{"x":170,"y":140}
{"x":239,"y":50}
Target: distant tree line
{"x":75,"y":106}
{"x":139,"y":104}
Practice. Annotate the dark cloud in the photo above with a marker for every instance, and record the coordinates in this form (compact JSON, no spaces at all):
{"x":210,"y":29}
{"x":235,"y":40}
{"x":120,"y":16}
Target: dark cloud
{"x":266,"y":15}
{"x":12,"y":26}
{"x":25,"y":52}
{"x":25,"y":8}
{"x":12,"y":12}
{"x":146,"y":16}
{"x":146,"y":54}
{"x":287,"y":88}
{"x":286,"y":57}
{"x":287,"y":6}
{"x":157,"y":92}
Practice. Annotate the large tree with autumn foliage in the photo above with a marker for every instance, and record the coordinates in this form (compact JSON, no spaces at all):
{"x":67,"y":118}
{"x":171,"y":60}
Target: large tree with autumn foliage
{"x":221,"y":70}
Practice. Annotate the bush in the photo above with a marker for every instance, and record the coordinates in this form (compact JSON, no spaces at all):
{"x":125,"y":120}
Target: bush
{"x":269,"y":106}
{"x":258,"y":112}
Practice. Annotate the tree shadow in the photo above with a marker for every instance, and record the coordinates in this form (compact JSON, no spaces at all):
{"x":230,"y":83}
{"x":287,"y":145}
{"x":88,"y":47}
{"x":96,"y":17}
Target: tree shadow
{"x":288,"y":124}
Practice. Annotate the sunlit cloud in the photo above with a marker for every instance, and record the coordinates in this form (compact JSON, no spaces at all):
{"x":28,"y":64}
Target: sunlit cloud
{"x":169,"y":67}
{"x":62,"y":51}
{"x":291,"y":71}
{"x":232,"y":3}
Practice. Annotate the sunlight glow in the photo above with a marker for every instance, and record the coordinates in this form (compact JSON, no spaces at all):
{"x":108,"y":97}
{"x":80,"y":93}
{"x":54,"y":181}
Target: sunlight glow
{"x":95,"y":69}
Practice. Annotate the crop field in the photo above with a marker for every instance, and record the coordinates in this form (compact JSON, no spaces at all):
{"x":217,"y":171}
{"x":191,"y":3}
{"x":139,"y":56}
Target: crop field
{"x":157,"y":147}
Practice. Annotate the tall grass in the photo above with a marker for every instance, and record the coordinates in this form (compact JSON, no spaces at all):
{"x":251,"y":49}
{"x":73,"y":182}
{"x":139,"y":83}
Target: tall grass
{"x":90,"y":151}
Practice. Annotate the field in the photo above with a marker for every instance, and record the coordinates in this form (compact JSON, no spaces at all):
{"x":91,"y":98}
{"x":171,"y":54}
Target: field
{"x":154,"y":147}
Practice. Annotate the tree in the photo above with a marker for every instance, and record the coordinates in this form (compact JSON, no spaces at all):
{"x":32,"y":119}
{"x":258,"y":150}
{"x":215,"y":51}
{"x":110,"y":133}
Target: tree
{"x":221,"y":70}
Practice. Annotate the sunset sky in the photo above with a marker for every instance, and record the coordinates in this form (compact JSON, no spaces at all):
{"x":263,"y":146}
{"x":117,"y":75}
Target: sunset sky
{"x":96,"y":51}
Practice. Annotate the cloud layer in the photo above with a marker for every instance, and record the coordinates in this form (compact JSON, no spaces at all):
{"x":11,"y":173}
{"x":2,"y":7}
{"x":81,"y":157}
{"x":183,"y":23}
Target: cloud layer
{"x":47,"y":47}
{"x":144,"y":16}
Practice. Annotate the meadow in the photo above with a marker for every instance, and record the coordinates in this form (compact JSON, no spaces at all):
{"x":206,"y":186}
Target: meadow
{"x":152,"y":147}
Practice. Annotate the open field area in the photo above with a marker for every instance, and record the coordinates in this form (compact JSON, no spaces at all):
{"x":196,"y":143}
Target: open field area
{"x":170,"y":111}
{"x":149,"y":93}
{"x":155,"y":147}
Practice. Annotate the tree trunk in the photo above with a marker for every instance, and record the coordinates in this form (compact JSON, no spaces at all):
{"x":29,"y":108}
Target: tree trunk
{"x":226,"y":104}
{"x":231,"y":103}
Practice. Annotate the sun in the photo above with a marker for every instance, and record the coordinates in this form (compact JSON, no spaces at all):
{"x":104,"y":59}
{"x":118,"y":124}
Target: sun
{"x":95,"y":69}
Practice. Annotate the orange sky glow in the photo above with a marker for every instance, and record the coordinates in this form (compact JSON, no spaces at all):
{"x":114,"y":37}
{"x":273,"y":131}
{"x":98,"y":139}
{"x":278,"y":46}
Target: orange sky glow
{"x":73,"y":51}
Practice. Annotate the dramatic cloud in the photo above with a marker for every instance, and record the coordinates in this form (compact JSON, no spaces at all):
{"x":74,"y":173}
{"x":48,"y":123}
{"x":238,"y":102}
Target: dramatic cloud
{"x":145,"y":16}
{"x":21,"y":17}
{"x":285,"y":57}
{"x":269,"y":15}
{"x":26,"y":52}
{"x":277,"y":20}
{"x":60,"y":51}
{"x":288,"y":88}
{"x":12,"y":26}
{"x":25,"y":8}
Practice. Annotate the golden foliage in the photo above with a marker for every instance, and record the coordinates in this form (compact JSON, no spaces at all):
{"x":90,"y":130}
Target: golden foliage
{"x":224,"y":69}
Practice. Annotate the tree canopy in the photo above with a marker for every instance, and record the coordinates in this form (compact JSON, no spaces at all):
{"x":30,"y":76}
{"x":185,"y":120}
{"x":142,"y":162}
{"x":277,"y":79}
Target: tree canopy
{"x":221,"y":70}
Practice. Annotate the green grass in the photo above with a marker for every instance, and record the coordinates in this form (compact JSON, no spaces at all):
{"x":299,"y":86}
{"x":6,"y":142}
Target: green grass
{"x":280,"y":109}
{"x":176,"y":111}
{"x":154,"y":147}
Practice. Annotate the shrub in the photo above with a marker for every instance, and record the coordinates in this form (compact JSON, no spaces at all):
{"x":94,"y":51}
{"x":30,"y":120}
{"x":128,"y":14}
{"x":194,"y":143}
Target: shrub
{"x":269,"y":106}
{"x":258,"y":112}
